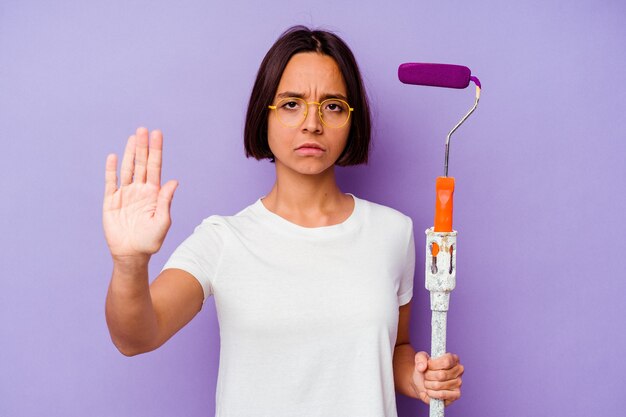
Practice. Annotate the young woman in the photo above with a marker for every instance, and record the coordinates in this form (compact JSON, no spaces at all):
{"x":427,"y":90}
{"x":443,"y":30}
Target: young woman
{"x":312,"y":286}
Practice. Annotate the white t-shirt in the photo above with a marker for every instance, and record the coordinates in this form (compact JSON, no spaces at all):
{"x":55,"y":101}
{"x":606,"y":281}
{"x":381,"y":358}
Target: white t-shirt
{"x":308,"y":317}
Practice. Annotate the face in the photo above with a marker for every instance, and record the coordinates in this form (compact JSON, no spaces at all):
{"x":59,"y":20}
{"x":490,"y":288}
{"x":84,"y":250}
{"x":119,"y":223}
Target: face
{"x":311,"y":147}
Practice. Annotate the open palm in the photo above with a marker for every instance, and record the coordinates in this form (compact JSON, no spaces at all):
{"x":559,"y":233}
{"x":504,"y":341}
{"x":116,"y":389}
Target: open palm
{"x":136,"y":215}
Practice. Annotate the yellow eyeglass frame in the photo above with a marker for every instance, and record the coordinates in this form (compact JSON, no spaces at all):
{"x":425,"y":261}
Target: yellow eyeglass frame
{"x":306,"y":111}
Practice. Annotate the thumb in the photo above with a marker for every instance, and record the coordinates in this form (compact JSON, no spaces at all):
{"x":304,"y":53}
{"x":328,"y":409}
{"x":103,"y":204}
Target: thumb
{"x":164,"y":200}
{"x":421,"y":361}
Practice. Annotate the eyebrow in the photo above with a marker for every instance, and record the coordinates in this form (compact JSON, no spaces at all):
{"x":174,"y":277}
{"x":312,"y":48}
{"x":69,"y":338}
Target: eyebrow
{"x":300,"y":95}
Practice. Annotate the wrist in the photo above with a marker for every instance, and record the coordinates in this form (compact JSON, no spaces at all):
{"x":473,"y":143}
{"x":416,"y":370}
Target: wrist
{"x":130,"y":263}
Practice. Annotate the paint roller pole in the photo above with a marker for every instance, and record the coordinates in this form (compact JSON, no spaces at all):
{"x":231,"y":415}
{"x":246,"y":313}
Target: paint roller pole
{"x":440,"y":281}
{"x":440,"y":273}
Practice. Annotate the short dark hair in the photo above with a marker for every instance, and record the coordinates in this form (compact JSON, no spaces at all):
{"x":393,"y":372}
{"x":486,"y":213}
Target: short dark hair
{"x":294,"y":40}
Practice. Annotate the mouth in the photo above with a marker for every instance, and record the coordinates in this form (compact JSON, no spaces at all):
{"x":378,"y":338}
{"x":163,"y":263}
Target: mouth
{"x":309,"y":145}
{"x":310,"y":149}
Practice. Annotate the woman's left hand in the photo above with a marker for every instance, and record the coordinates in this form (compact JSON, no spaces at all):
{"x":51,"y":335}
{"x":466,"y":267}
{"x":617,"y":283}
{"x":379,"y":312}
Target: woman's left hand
{"x":438,"y":378}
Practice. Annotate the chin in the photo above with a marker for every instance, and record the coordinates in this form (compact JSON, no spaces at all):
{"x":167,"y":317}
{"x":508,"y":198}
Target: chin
{"x":313,"y":170}
{"x":310,"y":167}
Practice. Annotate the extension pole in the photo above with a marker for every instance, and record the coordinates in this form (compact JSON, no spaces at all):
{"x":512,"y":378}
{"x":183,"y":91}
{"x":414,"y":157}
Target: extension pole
{"x":440,"y":281}
{"x":440,"y":272}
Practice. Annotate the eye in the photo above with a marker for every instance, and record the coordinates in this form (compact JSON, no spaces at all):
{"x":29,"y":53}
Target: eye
{"x":334,"y":106}
{"x":290,"y":105}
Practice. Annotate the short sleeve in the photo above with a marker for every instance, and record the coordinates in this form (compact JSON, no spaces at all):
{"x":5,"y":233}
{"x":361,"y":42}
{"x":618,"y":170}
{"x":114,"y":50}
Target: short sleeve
{"x":200,"y":254}
{"x":405,"y":290}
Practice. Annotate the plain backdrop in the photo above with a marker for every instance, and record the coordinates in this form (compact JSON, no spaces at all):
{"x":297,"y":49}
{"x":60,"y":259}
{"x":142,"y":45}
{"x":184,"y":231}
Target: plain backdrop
{"x":538,"y":315}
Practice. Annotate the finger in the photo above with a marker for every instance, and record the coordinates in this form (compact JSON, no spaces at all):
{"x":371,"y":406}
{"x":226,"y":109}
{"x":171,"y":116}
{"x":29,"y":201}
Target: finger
{"x":445,"y":361}
{"x":444,"y":395}
{"x":421,"y":361}
{"x":110,"y":175}
{"x":141,"y":155}
{"x":444,"y":374}
{"x":164,"y":200}
{"x":126,"y":171}
{"x":155,"y":157}
{"x":451,"y":384}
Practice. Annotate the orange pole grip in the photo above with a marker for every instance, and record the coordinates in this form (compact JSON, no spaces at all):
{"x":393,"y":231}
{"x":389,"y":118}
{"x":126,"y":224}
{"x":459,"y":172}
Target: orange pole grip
{"x":443,"y":205}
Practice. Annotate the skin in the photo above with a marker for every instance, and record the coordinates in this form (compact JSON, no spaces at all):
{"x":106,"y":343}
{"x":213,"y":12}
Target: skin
{"x":136,"y":218}
{"x":305,"y":191}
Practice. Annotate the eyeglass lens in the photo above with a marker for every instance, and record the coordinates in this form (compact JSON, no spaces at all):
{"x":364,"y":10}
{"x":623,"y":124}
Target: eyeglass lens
{"x":292,"y":111}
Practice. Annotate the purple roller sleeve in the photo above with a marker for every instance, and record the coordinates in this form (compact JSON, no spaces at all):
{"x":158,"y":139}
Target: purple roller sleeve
{"x":436,"y":75}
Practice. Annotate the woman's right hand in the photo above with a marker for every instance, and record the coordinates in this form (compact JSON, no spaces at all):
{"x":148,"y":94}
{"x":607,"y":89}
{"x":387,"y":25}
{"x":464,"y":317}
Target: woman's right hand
{"x":136,"y":216}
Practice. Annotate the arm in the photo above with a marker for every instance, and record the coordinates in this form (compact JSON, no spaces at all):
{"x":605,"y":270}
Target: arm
{"x":136,"y":218}
{"x":404,"y":355}
{"x":140,"y":317}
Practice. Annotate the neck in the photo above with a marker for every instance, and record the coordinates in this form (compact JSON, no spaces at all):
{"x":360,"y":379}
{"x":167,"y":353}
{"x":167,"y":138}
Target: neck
{"x":308,"y":199}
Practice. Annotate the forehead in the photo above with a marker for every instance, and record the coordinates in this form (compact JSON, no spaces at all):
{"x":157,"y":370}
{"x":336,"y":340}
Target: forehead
{"x":312,"y":72}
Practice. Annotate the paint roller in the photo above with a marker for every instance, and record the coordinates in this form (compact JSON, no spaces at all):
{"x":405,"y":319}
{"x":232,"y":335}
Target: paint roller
{"x":449,"y":76}
{"x":441,"y":239}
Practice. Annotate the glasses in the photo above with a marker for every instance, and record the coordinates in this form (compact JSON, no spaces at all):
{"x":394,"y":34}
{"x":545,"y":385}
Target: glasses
{"x":292,"y":111}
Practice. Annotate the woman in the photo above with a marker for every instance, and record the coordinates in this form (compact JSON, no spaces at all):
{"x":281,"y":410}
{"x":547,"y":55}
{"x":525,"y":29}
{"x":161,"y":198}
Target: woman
{"x":312,"y":286}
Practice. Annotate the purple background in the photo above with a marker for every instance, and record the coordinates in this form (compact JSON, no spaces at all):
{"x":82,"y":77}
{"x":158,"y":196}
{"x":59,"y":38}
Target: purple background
{"x":539,"y":312}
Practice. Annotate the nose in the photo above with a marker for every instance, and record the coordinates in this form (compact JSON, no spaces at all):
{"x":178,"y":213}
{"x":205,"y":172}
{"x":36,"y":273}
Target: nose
{"x":312,"y":122}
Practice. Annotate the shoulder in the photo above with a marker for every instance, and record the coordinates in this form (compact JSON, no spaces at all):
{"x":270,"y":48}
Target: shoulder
{"x":385,"y":215}
{"x":227,"y":224}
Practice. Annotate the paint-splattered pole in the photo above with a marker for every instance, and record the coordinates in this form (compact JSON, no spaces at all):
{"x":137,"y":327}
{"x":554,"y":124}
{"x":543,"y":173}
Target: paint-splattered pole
{"x":440,"y":281}
{"x":440,"y":272}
